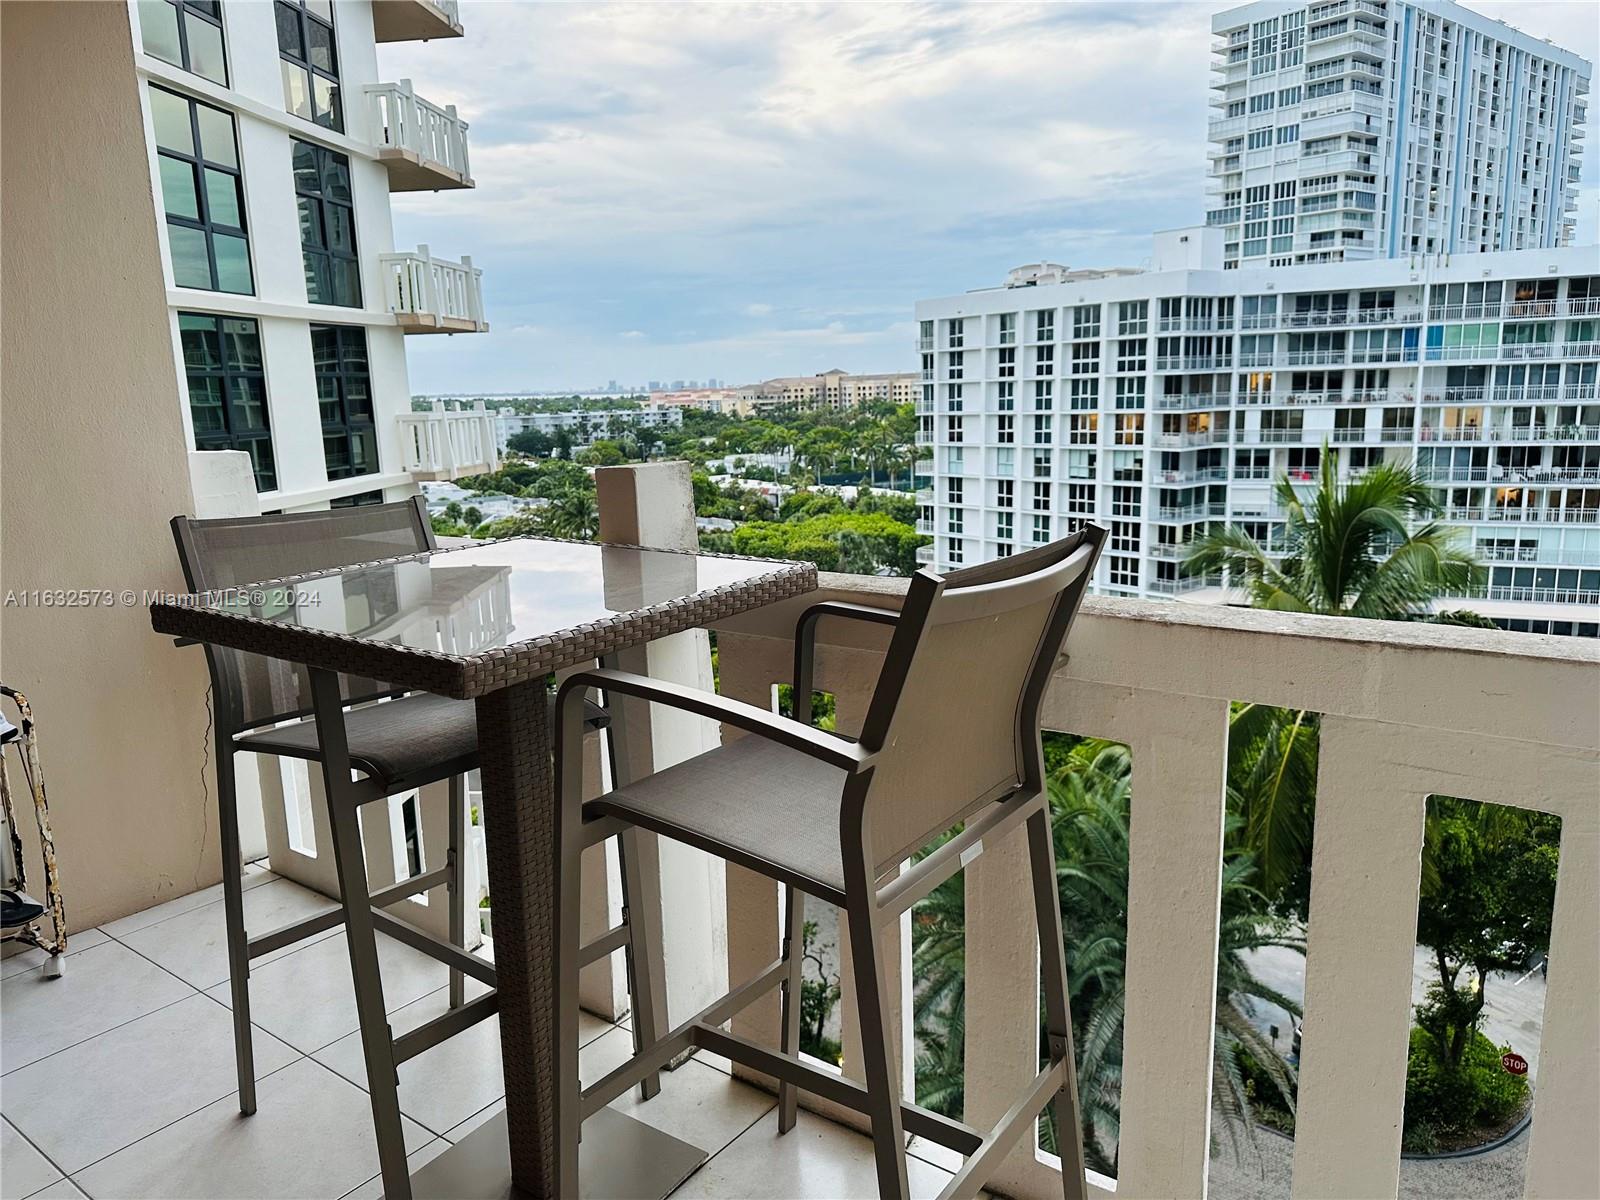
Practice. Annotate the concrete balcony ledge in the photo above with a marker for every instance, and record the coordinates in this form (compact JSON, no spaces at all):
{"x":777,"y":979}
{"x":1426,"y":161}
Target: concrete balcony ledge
{"x":415,"y":20}
{"x":423,"y":146}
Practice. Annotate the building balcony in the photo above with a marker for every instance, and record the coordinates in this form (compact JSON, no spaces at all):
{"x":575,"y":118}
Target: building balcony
{"x":448,"y":443}
{"x":924,"y":555}
{"x":119,"y":1075}
{"x":423,"y":146}
{"x":433,"y":295}
{"x":415,"y":20}
{"x":1514,"y":433}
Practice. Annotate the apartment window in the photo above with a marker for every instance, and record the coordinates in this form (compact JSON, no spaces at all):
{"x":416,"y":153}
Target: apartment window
{"x":1086,"y":358}
{"x":1125,"y":536}
{"x":1126,"y":501}
{"x":1086,"y":321}
{"x":1044,"y":395}
{"x":1041,"y":430}
{"x":1005,"y":429}
{"x":344,"y":395}
{"x":1003,"y":526}
{"x":1124,"y":571}
{"x":1082,"y":429}
{"x":1005,"y":493}
{"x":955,"y":521}
{"x":957,"y":552}
{"x":202,"y":191}
{"x":1002,"y":550}
{"x":1131,"y":354}
{"x":954,"y":397}
{"x":361,"y":500}
{"x":1081,"y":464}
{"x":309,"y":61}
{"x":327,"y":225}
{"x":1130,"y":429}
{"x":1041,"y":464}
{"x":1008,"y":329}
{"x":952,"y":491}
{"x":1080,"y":499}
{"x":1084,"y":393}
{"x":1041,"y":496}
{"x":1008,"y":362}
{"x":1133,"y":317}
{"x":1041,"y":529}
{"x":227,"y":383}
{"x":185,"y":33}
{"x":955,"y":366}
{"x":1005,"y":396}
{"x":1044,"y":326}
{"x":1131,"y":393}
{"x":953,"y":429}
{"x":956,"y":333}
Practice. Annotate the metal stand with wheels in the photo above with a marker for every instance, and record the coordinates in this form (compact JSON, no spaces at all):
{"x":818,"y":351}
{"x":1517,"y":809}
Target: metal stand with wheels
{"x":22,"y":913}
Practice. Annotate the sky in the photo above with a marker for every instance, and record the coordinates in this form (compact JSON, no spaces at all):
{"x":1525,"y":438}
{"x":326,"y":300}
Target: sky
{"x":686,"y":191}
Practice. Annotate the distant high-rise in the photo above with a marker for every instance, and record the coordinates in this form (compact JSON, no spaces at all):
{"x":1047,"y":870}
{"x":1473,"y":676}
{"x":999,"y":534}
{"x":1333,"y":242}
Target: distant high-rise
{"x":1357,"y":129}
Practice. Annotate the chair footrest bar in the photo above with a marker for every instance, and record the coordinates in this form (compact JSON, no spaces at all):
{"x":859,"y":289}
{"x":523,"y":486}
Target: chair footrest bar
{"x":654,"y":1058}
{"x":968,"y":1181}
{"x":607,"y":943}
{"x":327,"y":918}
{"x":418,"y":939}
{"x":296,"y":931}
{"x":917,"y":1120}
{"x":425,"y":1037}
{"x":397,"y":892}
{"x":928,"y":873}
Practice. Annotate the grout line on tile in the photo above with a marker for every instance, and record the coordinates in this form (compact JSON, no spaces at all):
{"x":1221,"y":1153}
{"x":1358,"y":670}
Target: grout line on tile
{"x":39,"y":1150}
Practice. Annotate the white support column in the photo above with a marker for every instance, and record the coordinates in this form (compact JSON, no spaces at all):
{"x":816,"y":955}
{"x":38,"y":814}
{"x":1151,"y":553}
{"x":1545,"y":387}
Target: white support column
{"x":652,"y":504}
{"x":1179,"y":746}
{"x":1366,"y":864}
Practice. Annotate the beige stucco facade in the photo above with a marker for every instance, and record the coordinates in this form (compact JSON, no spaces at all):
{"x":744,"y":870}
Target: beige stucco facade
{"x":91,"y":470}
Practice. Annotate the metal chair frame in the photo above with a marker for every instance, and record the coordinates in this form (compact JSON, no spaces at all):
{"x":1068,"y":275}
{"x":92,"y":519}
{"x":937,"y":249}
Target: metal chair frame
{"x":345,"y":795}
{"x":1064,"y":568}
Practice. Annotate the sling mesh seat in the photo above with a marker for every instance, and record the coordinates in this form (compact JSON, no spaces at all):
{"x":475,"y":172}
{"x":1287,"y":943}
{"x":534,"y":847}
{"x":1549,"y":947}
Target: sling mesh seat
{"x":400,"y":741}
{"x":950,"y":755}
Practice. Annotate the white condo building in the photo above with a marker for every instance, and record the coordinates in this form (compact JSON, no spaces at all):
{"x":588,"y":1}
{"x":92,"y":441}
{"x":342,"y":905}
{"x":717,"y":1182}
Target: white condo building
{"x":1157,"y":402}
{"x":1355,"y":129}
{"x":274,"y":141}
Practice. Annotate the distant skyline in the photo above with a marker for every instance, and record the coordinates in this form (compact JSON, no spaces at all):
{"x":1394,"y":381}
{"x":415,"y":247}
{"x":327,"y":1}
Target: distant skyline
{"x":684,"y":191}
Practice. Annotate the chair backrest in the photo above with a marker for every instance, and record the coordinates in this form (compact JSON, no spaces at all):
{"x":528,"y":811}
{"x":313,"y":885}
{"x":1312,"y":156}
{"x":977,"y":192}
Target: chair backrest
{"x":955,"y":716}
{"x":250,"y":690}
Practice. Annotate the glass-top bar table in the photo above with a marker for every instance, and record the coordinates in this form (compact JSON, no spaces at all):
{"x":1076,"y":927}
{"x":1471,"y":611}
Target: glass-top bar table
{"x":489,"y":624}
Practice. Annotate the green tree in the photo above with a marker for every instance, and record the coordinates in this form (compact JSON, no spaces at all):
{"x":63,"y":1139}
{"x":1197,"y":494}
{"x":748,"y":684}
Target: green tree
{"x":531,"y":442}
{"x":563,"y":443}
{"x":472,"y":516}
{"x":452,"y":511}
{"x":1364,"y":548}
{"x":1488,"y":893}
{"x":573,"y":514}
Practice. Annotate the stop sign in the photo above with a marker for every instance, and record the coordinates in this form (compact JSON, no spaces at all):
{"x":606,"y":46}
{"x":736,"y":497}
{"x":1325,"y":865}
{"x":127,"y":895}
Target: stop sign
{"x":1514,"y":1063}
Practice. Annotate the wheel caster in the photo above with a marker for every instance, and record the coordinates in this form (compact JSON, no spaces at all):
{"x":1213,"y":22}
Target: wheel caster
{"x":54,"y":966}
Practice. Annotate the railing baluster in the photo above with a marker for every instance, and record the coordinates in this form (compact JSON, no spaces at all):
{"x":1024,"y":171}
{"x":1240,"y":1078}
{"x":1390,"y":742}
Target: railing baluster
{"x":1365,"y":871}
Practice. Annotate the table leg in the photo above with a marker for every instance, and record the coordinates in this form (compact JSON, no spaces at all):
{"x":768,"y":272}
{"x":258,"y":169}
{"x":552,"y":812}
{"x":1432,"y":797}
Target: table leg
{"x":538,"y":1008}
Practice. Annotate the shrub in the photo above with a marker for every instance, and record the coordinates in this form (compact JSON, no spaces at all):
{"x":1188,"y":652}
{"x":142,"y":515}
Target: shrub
{"x":1447,"y":1105}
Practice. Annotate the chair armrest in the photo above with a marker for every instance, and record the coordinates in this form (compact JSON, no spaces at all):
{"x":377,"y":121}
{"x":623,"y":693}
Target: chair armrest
{"x":805,"y":643}
{"x":836,"y":752}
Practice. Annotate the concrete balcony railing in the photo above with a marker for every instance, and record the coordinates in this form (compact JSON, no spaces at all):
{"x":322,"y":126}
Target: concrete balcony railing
{"x":449,"y":443}
{"x":415,"y":20}
{"x":433,"y":295}
{"x":1409,"y":710}
{"x":423,"y":146}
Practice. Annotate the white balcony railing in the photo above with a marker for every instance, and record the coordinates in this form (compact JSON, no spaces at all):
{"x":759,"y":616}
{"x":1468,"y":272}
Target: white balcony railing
{"x":424,"y":146}
{"x":433,"y":295}
{"x":1408,"y":711}
{"x":449,"y":443}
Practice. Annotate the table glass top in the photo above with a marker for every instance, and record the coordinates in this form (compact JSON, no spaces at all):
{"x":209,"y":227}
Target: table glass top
{"x":463,"y":602}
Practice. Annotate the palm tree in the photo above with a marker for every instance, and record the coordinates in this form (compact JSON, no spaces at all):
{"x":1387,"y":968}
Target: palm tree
{"x":573,"y":514}
{"x":1365,"y":548}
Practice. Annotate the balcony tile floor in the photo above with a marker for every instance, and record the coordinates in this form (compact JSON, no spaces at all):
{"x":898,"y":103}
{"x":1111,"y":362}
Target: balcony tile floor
{"x":116,"y":1080}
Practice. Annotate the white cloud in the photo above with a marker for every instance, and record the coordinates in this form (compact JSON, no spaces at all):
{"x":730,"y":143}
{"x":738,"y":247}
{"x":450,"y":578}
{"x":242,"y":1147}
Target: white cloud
{"x":633,"y":333}
{"x":686,"y":168}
